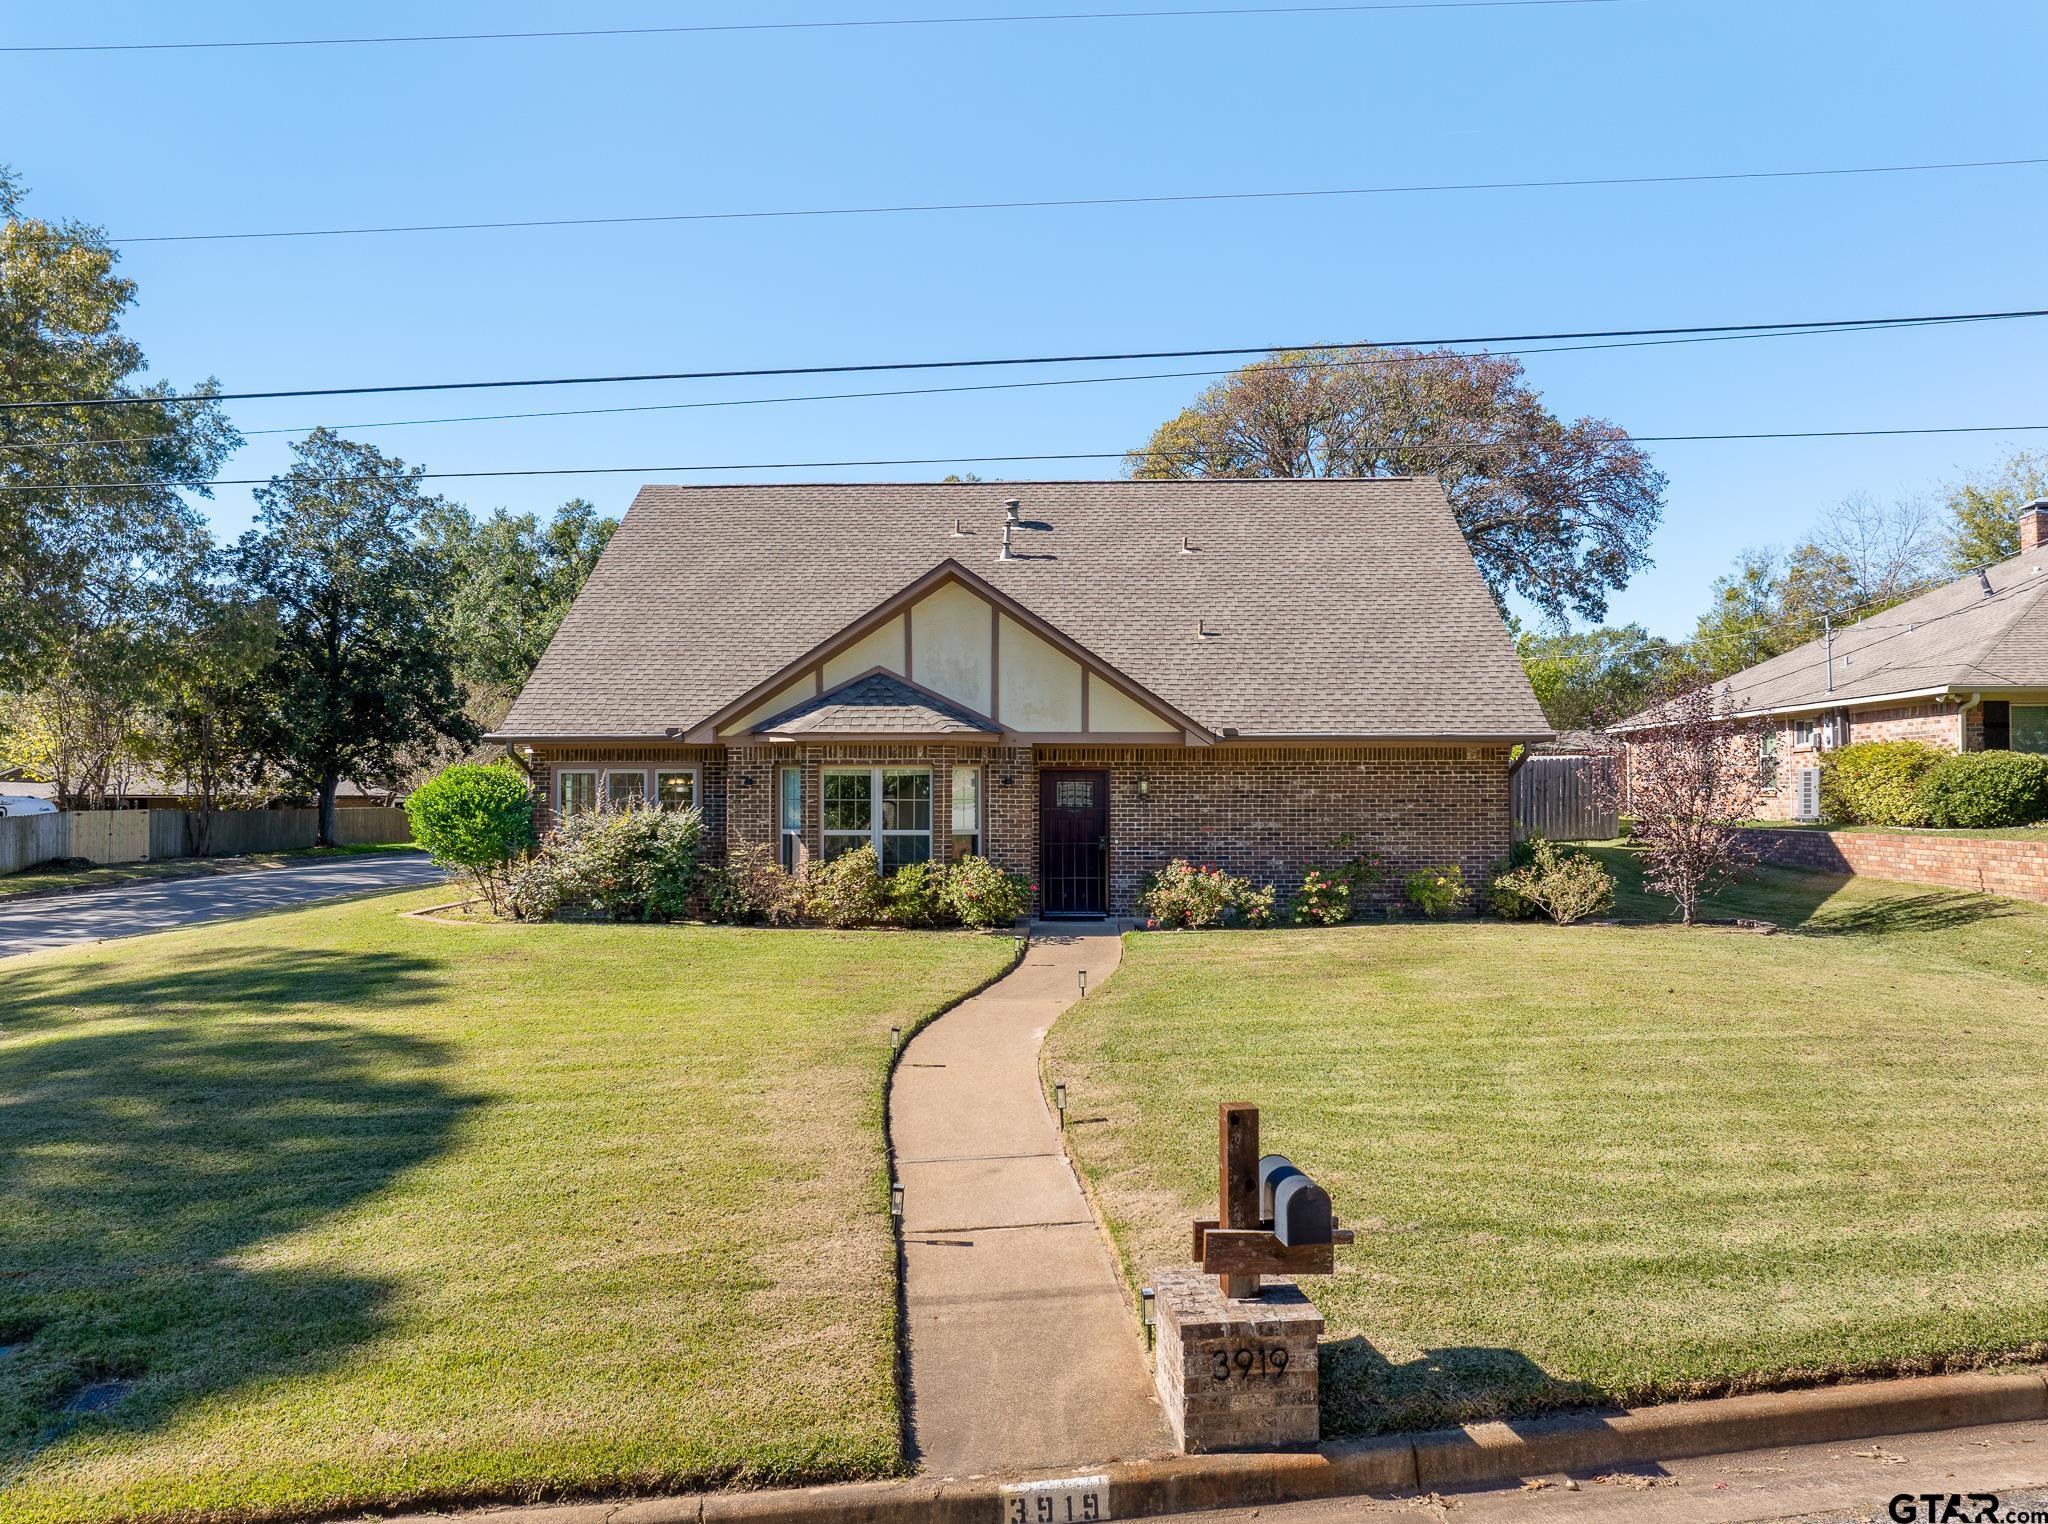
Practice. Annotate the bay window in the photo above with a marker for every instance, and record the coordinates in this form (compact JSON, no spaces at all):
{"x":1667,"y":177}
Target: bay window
{"x":887,"y":808}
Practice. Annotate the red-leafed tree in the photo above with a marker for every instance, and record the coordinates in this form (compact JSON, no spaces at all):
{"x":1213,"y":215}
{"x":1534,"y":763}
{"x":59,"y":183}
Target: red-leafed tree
{"x":1691,"y":778}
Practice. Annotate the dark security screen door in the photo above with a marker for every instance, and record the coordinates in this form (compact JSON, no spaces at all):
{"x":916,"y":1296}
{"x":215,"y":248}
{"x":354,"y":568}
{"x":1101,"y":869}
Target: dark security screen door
{"x":1073,"y":832}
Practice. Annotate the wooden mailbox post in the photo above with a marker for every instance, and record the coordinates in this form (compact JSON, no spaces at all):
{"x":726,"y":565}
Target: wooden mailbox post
{"x":1239,"y":1245}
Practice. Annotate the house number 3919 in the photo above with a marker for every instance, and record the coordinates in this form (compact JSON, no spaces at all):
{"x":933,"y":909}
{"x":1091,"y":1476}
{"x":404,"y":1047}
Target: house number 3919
{"x":1247,"y":1361}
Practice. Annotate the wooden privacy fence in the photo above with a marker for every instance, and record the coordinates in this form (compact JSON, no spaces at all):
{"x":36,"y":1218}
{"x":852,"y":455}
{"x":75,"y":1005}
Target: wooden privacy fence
{"x":131,"y":836}
{"x":1559,"y":797}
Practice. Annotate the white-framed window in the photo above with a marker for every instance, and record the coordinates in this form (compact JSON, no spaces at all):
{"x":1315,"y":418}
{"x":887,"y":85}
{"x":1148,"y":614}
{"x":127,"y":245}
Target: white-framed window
{"x":1767,"y":759}
{"x":2029,"y":727}
{"x":1803,"y":735}
{"x":675,"y":788}
{"x":966,"y":812}
{"x":575,"y":790}
{"x":789,"y":796}
{"x":888,"y":808}
{"x":625,"y":787}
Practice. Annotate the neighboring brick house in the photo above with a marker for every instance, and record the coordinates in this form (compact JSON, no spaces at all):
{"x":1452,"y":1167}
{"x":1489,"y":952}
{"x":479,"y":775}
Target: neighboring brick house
{"x":1964,"y":668}
{"x":1078,"y":680}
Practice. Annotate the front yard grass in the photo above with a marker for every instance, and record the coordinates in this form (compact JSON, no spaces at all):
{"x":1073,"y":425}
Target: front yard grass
{"x":373,"y":1211}
{"x":1608,"y":1163}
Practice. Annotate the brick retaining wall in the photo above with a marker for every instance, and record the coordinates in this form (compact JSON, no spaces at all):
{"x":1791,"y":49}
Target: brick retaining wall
{"x":2017,"y":868}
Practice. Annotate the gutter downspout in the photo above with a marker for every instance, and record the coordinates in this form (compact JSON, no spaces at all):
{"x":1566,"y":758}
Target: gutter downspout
{"x":1963,"y":720}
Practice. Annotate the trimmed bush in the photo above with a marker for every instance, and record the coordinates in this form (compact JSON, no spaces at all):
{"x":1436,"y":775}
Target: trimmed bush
{"x":1984,"y":789}
{"x":1875,"y":782}
{"x":1439,"y":892}
{"x":752,"y":888}
{"x":1502,"y":897}
{"x":475,"y":817}
{"x":1181,"y":895}
{"x":636,"y":864}
{"x":979,"y":894}
{"x":1321,"y":900}
{"x":848,"y":891}
{"x":916,"y":895}
{"x":1566,"y":886}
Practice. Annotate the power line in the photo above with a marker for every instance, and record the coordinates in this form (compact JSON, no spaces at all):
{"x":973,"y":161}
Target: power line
{"x":1418,"y":189}
{"x":870,"y":368}
{"x":1497,"y":442}
{"x":913,"y":391}
{"x":872,"y":24}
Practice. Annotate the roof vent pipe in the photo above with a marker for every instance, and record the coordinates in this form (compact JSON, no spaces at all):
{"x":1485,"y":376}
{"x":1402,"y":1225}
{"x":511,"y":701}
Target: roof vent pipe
{"x":1005,"y":554}
{"x":1015,"y":508}
{"x":1983,"y":582}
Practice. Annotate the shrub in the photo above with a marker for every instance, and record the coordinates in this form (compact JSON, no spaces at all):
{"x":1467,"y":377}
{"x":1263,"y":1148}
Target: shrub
{"x":1255,"y":907}
{"x":636,"y":864}
{"x":1566,"y":886}
{"x":1875,"y":782}
{"x":916,"y":894}
{"x":475,"y":817}
{"x":1321,"y":900}
{"x":848,"y":891}
{"x":1362,"y":870}
{"x":977,"y":893}
{"x":1502,"y":896}
{"x":1983,"y":789}
{"x":752,"y":888}
{"x":1438,"y":892}
{"x":1183,"y":895}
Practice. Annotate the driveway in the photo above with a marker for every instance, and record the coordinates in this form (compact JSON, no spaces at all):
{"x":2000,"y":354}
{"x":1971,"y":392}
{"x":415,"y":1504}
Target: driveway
{"x":127,"y":910}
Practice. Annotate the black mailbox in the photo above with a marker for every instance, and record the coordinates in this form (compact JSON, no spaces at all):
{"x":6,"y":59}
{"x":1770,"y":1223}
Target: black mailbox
{"x":1301,"y":1212}
{"x":1273,"y":1169}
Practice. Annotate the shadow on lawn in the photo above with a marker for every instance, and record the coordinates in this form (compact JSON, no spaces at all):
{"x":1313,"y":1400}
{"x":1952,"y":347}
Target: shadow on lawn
{"x":1366,"y":1393}
{"x":137,"y":1164}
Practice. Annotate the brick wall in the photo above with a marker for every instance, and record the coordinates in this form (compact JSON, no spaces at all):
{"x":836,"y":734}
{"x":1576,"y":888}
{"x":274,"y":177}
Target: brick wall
{"x":708,"y":760}
{"x":1265,"y":813}
{"x":2016,"y":868}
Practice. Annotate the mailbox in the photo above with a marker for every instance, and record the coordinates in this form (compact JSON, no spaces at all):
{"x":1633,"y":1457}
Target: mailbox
{"x":1301,"y":1212}
{"x":1273,"y":1168}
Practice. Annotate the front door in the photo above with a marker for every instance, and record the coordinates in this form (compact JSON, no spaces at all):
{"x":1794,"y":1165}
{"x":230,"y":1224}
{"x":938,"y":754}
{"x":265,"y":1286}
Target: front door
{"x":1073,"y":836}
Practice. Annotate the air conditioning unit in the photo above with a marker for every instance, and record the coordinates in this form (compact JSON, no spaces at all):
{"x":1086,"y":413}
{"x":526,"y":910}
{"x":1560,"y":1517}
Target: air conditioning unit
{"x":1807,"y":805}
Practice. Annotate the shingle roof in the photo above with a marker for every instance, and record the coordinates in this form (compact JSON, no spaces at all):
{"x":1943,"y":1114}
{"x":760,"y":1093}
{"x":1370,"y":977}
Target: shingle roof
{"x":1954,"y":637}
{"x":1335,"y":607}
{"x":877,"y":703}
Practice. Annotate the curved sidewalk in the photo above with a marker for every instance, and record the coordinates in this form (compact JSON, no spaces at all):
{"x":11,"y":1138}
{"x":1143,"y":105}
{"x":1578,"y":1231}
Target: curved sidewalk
{"x":1023,"y":1351}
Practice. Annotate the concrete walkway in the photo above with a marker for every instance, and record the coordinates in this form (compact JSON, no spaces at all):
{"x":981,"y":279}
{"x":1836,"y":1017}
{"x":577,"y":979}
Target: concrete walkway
{"x":1023,"y":1350}
{"x":126,"y":910}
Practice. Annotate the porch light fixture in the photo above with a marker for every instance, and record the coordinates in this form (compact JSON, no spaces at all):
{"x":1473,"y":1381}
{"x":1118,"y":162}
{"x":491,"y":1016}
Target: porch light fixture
{"x":1059,"y":1101}
{"x":1150,"y":1313}
{"x":896,"y":1200}
{"x":1144,"y":788}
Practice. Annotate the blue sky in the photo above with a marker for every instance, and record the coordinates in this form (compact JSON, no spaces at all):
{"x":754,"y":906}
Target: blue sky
{"x":154,"y":143}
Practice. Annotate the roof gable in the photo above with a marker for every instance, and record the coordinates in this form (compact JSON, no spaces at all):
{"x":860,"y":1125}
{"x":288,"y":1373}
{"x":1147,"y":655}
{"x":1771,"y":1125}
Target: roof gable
{"x":1310,"y":609}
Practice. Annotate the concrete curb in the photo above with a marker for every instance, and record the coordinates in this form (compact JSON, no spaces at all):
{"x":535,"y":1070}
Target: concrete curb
{"x":1476,"y":1455}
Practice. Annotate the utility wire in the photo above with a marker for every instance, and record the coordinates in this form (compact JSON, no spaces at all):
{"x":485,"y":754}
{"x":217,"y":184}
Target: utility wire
{"x":1187,"y":457}
{"x":917,"y":391}
{"x":871,"y":24}
{"x":870,"y":368}
{"x":1418,"y":189}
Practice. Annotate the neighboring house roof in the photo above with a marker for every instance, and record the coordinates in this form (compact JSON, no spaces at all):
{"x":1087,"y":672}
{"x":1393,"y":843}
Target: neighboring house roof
{"x":878,"y":704}
{"x":1956,"y":639}
{"x":1339,"y":607}
{"x":1577,"y":743}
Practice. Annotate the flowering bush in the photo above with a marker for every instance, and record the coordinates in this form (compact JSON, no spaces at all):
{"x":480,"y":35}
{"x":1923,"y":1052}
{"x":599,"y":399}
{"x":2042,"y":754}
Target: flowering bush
{"x":1566,"y":886}
{"x":635,"y":864}
{"x":751,"y":888}
{"x":1361,"y":870}
{"x":1321,"y":900}
{"x":1438,"y":892}
{"x":916,"y":895}
{"x":1254,"y":907}
{"x":1183,"y":895}
{"x":977,"y":893}
{"x":848,"y":891}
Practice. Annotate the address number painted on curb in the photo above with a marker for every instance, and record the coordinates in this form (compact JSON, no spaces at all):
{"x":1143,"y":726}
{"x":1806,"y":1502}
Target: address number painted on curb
{"x":1068,"y":1500}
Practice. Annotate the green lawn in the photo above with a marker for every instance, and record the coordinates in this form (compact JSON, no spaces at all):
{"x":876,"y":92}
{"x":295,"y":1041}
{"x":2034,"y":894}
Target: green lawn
{"x":1608,"y":1163}
{"x":373,"y":1211}
{"x":64,"y":880}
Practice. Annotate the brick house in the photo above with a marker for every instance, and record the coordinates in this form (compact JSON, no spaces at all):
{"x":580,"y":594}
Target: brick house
{"x":1963,"y":668}
{"x":1077,"y":680}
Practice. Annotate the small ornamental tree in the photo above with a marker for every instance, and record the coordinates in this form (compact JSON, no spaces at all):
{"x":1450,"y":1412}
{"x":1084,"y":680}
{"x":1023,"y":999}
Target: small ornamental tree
{"x":1692,"y":776}
{"x":475,"y":817}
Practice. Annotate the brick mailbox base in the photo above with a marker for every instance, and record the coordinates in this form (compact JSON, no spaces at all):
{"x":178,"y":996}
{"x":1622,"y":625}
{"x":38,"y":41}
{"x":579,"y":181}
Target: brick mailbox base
{"x":1236,"y":1375}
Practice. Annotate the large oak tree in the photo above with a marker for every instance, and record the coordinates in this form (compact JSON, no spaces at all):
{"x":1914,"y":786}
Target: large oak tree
{"x":1560,"y":513}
